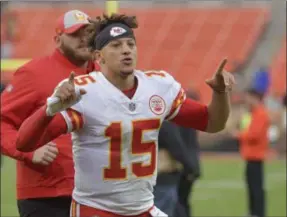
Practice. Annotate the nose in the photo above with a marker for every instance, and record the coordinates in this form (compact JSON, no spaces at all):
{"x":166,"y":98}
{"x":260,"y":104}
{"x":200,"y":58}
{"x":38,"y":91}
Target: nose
{"x":126,"y":50}
{"x":83,"y":38}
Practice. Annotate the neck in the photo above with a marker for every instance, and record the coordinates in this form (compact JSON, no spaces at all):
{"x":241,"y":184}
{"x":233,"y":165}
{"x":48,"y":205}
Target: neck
{"x":122,"y":83}
{"x":83,"y":65}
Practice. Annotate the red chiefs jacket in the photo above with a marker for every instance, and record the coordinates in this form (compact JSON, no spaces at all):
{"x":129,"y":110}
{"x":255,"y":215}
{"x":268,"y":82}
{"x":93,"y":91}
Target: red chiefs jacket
{"x":29,"y":89}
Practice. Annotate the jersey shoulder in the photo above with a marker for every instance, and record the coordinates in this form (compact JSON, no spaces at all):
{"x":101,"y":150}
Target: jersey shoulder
{"x":82,"y":81}
{"x":90,"y":83}
{"x":157,"y":77}
{"x":87,"y":80}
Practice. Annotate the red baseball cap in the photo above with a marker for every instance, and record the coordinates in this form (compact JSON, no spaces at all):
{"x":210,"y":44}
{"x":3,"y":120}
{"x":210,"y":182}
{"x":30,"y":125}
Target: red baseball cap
{"x":71,"y":21}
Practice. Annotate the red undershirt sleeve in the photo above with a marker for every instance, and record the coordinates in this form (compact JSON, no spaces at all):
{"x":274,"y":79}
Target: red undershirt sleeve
{"x":192,"y":114}
{"x":39,"y":129}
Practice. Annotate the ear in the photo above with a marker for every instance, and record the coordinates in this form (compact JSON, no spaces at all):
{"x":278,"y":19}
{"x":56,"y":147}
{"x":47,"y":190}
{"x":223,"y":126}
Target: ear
{"x":57,"y":40}
{"x":99,"y":56}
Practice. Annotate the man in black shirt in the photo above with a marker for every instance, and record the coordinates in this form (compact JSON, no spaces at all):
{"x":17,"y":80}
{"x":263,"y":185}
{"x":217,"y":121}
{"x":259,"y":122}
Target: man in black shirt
{"x":176,"y":145}
{"x":190,"y":173}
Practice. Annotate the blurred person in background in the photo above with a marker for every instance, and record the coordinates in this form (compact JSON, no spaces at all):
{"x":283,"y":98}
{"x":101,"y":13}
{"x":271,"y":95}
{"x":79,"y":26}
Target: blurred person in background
{"x":282,"y":127}
{"x":8,"y":30}
{"x":2,"y":87}
{"x":254,"y":142}
{"x":190,"y":173}
{"x":275,"y":104}
{"x":45,"y":177}
{"x":178,"y":167}
{"x":172,"y":152}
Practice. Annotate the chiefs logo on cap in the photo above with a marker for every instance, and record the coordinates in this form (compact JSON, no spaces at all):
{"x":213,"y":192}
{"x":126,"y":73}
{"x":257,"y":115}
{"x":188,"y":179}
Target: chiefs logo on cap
{"x":80,"y":16}
{"x":116,"y":31}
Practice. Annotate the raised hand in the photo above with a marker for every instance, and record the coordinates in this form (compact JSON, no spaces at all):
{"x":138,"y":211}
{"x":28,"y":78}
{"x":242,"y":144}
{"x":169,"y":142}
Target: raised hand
{"x":222,"y":81}
{"x":66,"y":91}
{"x":64,"y":96}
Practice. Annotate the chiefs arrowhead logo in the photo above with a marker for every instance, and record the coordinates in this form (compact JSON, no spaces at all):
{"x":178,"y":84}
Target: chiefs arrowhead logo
{"x":116,"y":31}
{"x":80,"y":16}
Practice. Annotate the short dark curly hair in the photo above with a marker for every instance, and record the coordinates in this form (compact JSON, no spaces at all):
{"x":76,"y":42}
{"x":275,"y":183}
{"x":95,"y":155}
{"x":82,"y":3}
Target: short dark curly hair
{"x":101,"y":22}
{"x":105,"y":20}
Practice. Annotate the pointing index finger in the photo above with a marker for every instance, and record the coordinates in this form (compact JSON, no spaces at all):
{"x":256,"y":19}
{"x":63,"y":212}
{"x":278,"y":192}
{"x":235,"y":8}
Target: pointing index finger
{"x":221,"y":67}
{"x":71,"y":78}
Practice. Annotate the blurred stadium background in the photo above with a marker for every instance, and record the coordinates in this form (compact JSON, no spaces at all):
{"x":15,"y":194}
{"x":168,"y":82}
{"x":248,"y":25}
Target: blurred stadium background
{"x":188,"y":39}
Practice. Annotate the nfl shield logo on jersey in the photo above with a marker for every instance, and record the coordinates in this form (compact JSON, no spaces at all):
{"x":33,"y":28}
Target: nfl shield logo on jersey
{"x":157,"y":105}
{"x":132,"y":106}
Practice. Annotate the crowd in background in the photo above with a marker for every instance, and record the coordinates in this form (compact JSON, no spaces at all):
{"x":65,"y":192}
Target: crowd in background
{"x":240,"y":119}
{"x":10,"y":36}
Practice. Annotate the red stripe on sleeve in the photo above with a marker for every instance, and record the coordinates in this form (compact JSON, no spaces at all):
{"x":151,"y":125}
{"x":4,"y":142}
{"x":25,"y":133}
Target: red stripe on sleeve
{"x":177,"y":102}
{"x":72,"y":118}
{"x":81,"y":121}
{"x":76,"y":119}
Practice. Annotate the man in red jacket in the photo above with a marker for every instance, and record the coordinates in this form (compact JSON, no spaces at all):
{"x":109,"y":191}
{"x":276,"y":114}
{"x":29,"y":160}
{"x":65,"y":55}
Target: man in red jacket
{"x":45,"y":177}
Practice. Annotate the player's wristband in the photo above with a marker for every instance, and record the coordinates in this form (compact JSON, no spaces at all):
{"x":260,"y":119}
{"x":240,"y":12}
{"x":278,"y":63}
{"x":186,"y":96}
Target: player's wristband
{"x":54,"y":104}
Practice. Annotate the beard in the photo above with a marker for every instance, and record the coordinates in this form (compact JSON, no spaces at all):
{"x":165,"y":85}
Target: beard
{"x":75,"y":55}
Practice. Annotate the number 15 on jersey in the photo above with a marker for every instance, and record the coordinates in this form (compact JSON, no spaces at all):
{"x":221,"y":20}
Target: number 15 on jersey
{"x":139,"y":147}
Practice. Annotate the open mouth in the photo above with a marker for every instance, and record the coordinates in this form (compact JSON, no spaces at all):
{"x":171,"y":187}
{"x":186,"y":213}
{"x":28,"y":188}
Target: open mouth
{"x":84,"y":46}
{"x":127,"y":61}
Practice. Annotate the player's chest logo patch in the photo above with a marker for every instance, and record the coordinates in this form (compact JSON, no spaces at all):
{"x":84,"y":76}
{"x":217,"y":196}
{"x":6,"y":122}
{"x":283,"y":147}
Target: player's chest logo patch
{"x":157,"y":105}
{"x":132,"y":106}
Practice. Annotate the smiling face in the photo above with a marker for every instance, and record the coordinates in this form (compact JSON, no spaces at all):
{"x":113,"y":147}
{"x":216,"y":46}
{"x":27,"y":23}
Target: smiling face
{"x":119,"y":56}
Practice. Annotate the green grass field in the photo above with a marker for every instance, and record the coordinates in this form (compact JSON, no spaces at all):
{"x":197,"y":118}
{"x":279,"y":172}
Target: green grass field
{"x":220,"y":192}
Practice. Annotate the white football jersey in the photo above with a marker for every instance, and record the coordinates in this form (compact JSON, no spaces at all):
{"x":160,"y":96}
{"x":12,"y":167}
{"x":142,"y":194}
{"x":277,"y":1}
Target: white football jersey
{"x":115,"y":140}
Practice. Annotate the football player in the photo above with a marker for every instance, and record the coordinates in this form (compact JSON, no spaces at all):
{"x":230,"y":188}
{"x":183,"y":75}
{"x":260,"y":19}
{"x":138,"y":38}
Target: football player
{"x":114,"y":115}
